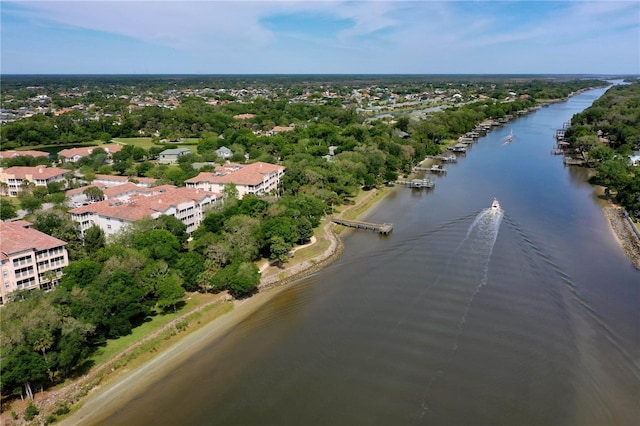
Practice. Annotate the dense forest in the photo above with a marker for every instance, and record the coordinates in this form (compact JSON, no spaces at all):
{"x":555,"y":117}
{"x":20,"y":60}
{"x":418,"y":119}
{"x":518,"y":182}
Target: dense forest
{"x":607,"y":134}
{"x":112,"y":286}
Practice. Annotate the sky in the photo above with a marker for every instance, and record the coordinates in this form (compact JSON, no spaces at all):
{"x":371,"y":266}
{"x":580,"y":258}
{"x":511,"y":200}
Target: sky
{"x":320,"y":37}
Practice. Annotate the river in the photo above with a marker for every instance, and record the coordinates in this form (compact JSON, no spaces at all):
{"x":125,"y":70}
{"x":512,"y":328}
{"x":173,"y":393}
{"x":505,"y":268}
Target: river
{"x":461,"y":316}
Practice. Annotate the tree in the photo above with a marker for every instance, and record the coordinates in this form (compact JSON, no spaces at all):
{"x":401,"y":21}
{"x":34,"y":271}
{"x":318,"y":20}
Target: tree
{"x":94,"y":193}
{"x":239,"y":278}
{"x":243,"y":233}
{"x":169,"y":291}
{"x":80,"y":273}
{"x":305,"y":230}
{"x":245,"y":281}
{"x":30,"y":203}
{"x":94,"y":239}
{"x":158,"y":244}
{"x":190,"y":265}
{"x":230,"y":194}
{"x":279,"y":249}
{"x":173,"y":225}
{"x":284,"y":227}
{"x":7,"y":210}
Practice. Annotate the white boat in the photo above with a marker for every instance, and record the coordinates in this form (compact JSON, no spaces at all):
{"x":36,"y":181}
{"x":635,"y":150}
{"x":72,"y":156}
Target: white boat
{"x":509,"y":137}
{"x":495,"y":206}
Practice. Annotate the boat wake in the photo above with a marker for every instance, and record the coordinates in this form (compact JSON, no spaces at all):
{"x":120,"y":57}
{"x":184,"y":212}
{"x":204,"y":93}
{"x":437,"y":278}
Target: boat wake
{"x":474,"y":253}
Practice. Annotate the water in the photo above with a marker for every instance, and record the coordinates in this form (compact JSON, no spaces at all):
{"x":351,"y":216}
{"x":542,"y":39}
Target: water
{"x":525,"y":316}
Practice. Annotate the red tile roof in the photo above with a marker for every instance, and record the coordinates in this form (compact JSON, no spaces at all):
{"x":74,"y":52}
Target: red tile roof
{"x":141,"y":206}
{"x":278,"y":129}
{"x":12,"y":154}
{"x":250,"y":174}
{"x":85,"y":151}
{"x":243,"y":116}
{"x":15,"y":237}
{"x":76,"y":191}
{"x":38,"y":172}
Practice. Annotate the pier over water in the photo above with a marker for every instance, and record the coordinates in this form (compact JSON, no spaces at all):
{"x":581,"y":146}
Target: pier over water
{"x":383,"y":229}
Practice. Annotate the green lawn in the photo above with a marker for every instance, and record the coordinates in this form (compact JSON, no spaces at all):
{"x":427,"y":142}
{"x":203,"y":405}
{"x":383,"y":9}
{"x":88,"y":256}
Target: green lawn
{"x":147,"y":142}
{"x":116,"y":346}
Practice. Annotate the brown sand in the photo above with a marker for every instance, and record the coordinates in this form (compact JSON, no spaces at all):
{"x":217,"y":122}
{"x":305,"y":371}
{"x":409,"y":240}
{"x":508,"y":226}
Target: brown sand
{"x":623,"y":230}
{"x":103,"y":400}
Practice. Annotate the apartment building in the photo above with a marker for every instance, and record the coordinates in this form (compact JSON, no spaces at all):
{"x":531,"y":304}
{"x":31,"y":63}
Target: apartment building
{"x":12,"y":179}
{"x":112,"y":215}
{"x":29,"y":259}
{"x":255,"y":178}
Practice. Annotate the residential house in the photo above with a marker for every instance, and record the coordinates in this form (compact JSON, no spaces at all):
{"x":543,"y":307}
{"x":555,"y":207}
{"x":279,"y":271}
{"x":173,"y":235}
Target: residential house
{"x":118,"y":211}
{"x":29,"y":259}
{"x":73,"y":155}
{"x":255,"y":178}
{"x":170,"y":156}
{"x":224,"y":152}
{"x":115,"y":180}
{"x":13,"y":154}
{"x":12,"y":178}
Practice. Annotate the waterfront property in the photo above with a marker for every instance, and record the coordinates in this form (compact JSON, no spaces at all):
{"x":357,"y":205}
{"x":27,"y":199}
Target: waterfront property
{"x":380,"y":228}
{"x":256,"y":178}
{"x":29,"y":259}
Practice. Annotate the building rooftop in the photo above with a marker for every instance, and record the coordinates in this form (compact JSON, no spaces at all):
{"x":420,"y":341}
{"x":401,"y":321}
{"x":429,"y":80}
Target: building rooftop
{"x":140,"y":206}
{"x":18,"y":236}
{"x":250,"y":174}
{"x":30,"y":153}
{"x":37,"y":172}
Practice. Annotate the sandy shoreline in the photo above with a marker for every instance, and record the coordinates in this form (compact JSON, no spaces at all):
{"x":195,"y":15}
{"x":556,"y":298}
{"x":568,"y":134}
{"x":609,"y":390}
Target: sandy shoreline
{"x":102,"y":400}
{"x":624,"y":232}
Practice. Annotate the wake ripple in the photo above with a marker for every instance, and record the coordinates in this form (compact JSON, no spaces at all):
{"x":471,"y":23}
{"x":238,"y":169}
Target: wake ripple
{"x":475,"y":249}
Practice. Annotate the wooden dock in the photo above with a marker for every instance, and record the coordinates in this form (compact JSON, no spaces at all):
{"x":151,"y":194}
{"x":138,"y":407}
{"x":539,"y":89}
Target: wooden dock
{"x":382,"y":229}
{"x":433,"y":169}
{"x":447,"y":158}
{"x":417,"y":183}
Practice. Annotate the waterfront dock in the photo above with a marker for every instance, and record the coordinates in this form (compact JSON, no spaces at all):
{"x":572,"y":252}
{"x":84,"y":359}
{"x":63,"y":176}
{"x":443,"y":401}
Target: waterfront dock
{"x":417,"y":183}
{"x":380,"y":228}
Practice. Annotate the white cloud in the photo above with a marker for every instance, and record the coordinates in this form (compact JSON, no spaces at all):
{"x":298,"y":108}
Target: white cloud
{"x":383,"y":34}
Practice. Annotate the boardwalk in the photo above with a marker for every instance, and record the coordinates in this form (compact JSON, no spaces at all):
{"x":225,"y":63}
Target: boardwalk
{"x":383,"y":229}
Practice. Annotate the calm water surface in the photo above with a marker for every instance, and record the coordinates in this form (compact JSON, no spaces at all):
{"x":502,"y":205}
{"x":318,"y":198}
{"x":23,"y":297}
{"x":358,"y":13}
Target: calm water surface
{"x":461,"y":316}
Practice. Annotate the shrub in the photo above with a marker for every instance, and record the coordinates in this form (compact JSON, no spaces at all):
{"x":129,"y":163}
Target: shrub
{"x":30,"y":412}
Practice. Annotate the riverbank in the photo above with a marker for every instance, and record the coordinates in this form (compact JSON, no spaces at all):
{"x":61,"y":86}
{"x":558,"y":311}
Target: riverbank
{"x":623,"y":229}
{"x":93,"y":395}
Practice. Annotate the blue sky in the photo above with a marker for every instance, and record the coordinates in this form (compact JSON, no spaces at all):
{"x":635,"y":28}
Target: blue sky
{"x":318,"y":37}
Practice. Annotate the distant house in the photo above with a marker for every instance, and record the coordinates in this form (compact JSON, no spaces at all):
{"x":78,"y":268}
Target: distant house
{"x":13,"y":154}
{"x":256,"y":178}
{"x":115,"y":180}
{"x":280,"y":129}
{"x":224,"y":152}
{"x":243,"y":116}
{"x":170,"y":156}
{"x":72,"y":155}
